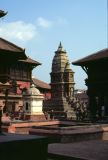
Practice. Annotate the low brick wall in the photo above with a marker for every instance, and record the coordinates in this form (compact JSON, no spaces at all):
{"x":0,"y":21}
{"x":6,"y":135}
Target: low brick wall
{"x":24,"y":126}
{"x":57,"y":133}
{"x":81,"y":137}
{"x":73,"y":134}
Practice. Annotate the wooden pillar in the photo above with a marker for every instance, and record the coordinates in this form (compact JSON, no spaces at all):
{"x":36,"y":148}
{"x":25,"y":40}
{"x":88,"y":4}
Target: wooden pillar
{"x":0,"y":120}
{"x":93,"y":102}
{"x":106,"y":104}
{"x":6,"y":101}
{"x":100,"y":104}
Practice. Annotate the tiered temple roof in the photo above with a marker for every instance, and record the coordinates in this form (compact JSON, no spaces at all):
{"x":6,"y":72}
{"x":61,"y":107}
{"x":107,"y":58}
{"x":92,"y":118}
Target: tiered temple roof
{"x":30,"y":61}
{"x":9,"y":49}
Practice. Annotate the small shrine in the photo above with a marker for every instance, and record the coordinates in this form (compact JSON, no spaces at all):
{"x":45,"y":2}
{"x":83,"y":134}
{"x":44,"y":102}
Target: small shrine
{"x":33,"y":104}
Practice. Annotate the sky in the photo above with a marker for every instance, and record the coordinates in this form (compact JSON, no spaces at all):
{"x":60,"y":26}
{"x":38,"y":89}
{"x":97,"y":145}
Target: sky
{"x":40,"y":25}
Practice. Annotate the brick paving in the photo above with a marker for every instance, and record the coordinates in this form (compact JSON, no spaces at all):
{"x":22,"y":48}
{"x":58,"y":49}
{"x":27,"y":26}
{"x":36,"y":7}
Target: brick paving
{"x":89,"y":150}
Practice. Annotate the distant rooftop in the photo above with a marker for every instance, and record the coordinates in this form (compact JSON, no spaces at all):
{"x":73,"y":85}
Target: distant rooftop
{"x":41,"y":84}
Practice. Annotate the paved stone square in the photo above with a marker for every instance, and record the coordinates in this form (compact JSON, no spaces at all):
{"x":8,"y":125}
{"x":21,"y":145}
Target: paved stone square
{"x":89,"y":150}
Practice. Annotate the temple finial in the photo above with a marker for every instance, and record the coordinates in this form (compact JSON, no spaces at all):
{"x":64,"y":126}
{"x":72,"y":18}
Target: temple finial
{"x":60,"y":47}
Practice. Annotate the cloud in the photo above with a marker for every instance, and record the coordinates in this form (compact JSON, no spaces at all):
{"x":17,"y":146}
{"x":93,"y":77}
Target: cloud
{"x":42,"y":22}
{"x":18,"y":30}
{"x":61,"y":21}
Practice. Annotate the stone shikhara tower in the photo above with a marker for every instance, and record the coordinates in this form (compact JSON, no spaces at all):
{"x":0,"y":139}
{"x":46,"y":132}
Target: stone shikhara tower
{"x":62,"y":83}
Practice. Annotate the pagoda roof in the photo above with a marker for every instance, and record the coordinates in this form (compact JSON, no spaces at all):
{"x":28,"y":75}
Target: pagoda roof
{"x":31,"y":61}
{"x":7,"y":46}
{"x":41,"y":84}
{"x":2,"y":13}
{"x":100,"y":55}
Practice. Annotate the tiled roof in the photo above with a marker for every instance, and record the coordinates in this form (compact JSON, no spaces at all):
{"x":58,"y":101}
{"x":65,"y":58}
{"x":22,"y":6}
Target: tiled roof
{"x":8,"y":46}
{"x":31,"y":61}
{"x":102,"y":54}
{"x":41,"y":84}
